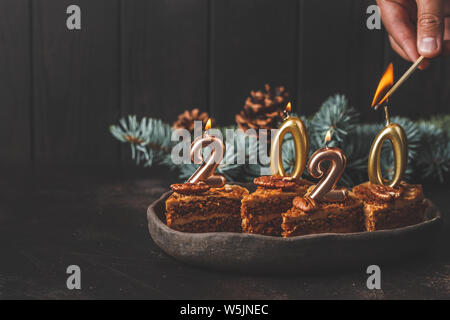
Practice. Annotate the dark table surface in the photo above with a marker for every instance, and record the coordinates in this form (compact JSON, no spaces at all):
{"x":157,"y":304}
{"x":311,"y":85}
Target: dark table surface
{"x":96,"y":219}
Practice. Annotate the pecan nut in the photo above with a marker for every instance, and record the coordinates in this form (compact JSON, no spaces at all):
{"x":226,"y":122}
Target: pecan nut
{"x":190,"y":188}
{"x":386,"y":193}
{"x":305,"y":204}
{"x":276,"y":182}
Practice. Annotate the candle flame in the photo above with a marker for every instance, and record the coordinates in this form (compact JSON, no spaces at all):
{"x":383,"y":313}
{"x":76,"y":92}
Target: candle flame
{"x":288,"y":108}
{"x":328,"y":136}
{"x":208,"y":124}
{"x":386,"y":82}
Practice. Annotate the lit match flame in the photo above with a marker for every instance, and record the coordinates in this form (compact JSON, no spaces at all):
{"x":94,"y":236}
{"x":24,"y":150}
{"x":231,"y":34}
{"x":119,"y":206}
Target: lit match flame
{"x":386,"y":82}
{"x":208,"y":124}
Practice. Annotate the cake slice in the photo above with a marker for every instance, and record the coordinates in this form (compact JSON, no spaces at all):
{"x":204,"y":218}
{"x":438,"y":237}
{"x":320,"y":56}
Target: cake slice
{"x":390,"y":208}
{"x":261,"y":211}
{"x":310,"y":217}
{"x":207,"y":210}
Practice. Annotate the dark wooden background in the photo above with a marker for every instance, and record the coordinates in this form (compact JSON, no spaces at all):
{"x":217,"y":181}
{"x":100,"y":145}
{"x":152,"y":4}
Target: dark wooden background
{"x":61,"y":89}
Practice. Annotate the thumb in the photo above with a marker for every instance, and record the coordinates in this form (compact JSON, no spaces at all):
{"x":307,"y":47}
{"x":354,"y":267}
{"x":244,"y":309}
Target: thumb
{"x":430,"y":23}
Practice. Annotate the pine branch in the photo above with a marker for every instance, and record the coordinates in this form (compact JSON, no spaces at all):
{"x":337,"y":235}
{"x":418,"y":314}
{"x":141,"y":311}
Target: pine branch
{"x":433,"y":160}
{"x":149,"y":138}
{"x":334,"y":114}
{"x":441,"y":121}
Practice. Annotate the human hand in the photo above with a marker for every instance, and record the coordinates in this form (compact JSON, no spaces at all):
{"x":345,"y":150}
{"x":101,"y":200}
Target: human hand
{"x":417,"y":28}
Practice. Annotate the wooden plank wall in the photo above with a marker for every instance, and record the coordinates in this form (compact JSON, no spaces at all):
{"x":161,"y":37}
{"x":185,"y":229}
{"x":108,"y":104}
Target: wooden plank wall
{"x":76,"y":82}
{"x":61,"y":89}
{"x":15,"y":82}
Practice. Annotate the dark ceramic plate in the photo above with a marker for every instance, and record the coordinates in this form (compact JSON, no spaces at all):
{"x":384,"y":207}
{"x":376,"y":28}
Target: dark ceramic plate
{"x":264,"y":254}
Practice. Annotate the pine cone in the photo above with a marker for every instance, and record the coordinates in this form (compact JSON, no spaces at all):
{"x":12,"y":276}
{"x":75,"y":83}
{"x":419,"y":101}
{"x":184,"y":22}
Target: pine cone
{"x":263,"y":109}
{"x":187,"y":118}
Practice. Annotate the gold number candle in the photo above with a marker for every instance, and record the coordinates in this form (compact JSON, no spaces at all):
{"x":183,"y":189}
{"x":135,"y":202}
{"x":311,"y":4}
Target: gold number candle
{"x":392,"y":132}
{"x":206,"y":172}
{"x":297,"y":129}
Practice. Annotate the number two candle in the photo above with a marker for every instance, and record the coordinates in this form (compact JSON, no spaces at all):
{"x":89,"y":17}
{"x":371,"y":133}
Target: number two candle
{"x":206,"y":172}
{"x":326,"y":188}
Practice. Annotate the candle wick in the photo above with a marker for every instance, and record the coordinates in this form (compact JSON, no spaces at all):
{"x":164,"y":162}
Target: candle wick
{"x":386,"y":114}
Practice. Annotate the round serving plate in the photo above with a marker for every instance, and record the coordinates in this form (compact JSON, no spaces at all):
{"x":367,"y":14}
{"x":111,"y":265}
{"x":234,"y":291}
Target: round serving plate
{"x":252,"y":253}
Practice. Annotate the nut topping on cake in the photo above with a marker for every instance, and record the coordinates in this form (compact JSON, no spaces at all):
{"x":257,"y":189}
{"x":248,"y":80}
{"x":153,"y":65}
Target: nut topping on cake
{"x":385,"y":192}
{"x":276,"y":182}
{"x":305,"y":204}
{"x":390,"y":208}
{"x":190,"y":188}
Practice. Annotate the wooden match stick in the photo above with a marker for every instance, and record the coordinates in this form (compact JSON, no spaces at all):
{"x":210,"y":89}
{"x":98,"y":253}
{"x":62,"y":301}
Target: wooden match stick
{"x":404,"y":77}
